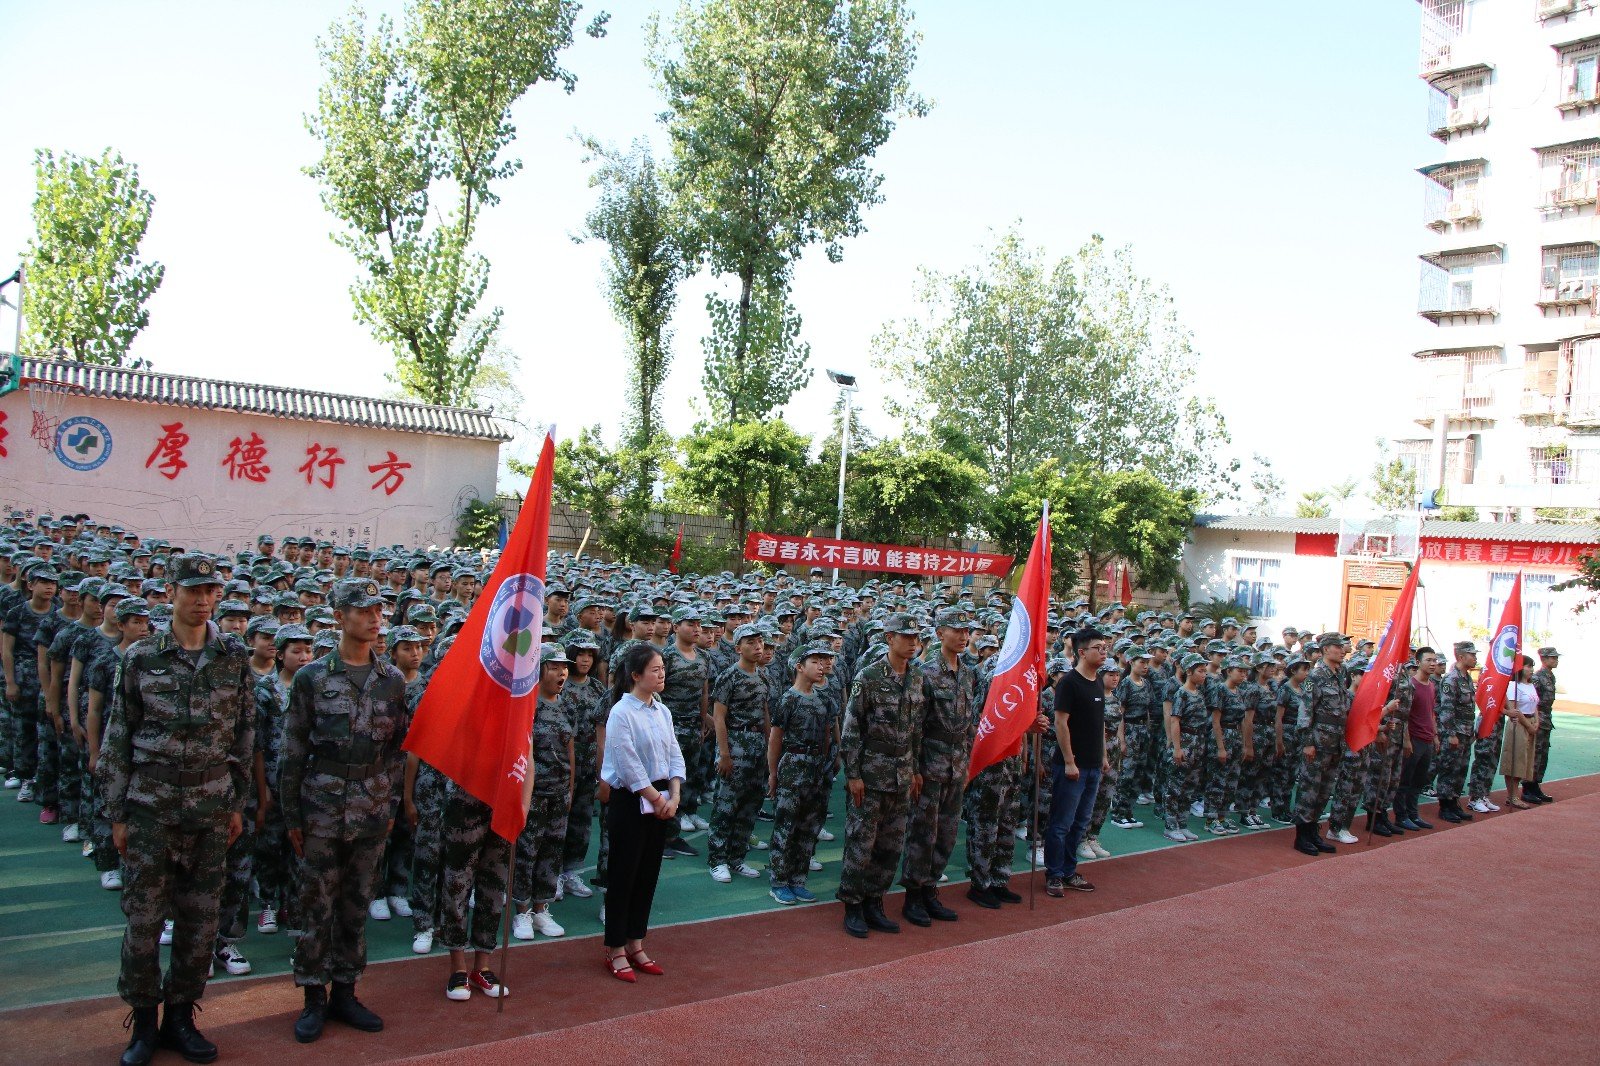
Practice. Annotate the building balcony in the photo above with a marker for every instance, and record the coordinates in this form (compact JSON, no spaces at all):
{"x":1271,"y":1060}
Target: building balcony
{"x":1573,"y":194}
{"x":1560,"y":9}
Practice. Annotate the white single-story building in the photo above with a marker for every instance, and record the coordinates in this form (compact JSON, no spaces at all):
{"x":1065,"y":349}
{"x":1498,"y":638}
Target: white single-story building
{"x":1289,"y":572}
{"x":213,"y":464}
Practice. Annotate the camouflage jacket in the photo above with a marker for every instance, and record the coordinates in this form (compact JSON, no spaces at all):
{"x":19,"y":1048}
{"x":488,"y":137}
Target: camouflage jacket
{"x":947,"y":723}
{"x":1327,"y":700}
{"x":173,"y":721}
{"x":1293,"y":702}
{"x":342,"y":764}
{"x":1140,"y":703}
{"x":1458,"y":705}
{"x":806,"y":721}
{"x":1235,"y":705}
{"x":1402,"y":688}
{"x":552,"y":748}
{"x":1544,"y":682}
{"x":1190,"y":710}
{"x":586,"y":710}
{"x":272,"y":707}
{"x":746,"y":697}
{"x":23,"y":624}
{"x":882,"y":737}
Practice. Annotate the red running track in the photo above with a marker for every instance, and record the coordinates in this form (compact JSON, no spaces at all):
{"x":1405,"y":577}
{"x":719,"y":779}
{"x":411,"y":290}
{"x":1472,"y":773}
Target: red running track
{"x":1237,"y":950}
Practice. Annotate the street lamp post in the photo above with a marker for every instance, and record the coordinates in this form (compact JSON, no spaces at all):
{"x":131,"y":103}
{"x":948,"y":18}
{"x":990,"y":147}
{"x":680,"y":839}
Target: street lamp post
{"x":847,"y":386}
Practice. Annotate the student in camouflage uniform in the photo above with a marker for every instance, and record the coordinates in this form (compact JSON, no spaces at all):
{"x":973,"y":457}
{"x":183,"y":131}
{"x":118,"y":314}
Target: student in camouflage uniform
{"x":343,"y":769}
{"x":1485,"y":764}
{"x":174,"y":770}
{"x":688,"y":680}
{"x":1140,"y":696}
{"x":537,"y":872}
{"x":1116,"y":741}
{"x":1188,"y":728}
{"x":1289,"y":703}
{"x":427,"y":793}
{"x":739,"y":715}
{"x":1457,"y":712}
{"x":133,"y":621}
{"x":1257,"y":773}
{"x":1544,"y":681}
{"x":475,"y":860}
{"x":1326,"y":706}
{"x":1355,"y":769}
{"x":54,"y":781}
{"x":78,"y":616}
{"x":948,"y":729}
{"x":881,"y":743}
{"x":800,"y":756}
{"x":275,"y":861}
{"x":1232,"y":720}
{"x":581,"y":698}
{"x":22,"y":678}
{"x":405,"y":648}
{"x":1387,"y":753}
{"x":73,"y":648}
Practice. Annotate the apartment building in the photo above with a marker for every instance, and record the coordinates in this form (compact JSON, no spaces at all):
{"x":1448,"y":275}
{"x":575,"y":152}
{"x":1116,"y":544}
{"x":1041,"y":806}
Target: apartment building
{"x":1507,"y":417}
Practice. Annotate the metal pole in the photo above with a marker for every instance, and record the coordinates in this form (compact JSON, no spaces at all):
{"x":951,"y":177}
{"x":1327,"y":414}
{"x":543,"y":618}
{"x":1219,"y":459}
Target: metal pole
{"x":844,"y":450}
{"x":22,"y":284}
{"x":1035,"y":838}
{"x":505,"y":931}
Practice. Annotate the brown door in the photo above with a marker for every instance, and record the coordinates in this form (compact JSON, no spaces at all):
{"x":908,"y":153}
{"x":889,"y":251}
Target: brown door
{"x":1367,"y":610}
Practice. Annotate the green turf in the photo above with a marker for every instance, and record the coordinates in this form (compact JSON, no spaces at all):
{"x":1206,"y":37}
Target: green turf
{"x":60,"y":932}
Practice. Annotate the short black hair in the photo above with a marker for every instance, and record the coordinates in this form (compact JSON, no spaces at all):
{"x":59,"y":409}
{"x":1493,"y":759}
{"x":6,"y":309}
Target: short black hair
{"x":1086,"y":636}
{"x":1425,"y":650}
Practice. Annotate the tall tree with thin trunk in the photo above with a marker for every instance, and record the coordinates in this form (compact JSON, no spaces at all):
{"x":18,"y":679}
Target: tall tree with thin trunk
{"x":775,"y":109}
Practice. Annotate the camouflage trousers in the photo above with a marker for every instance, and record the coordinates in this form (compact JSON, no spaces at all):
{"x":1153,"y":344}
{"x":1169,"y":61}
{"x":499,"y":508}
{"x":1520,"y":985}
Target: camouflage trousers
{"x":276,"y":868}
{"x":1383,"y":776}
{"x":25,"y":731}
{"x":800,"y":808}
{"x":991,"y":822}
{"x":1281,"y":786}
{"x":1222,"y":786}
{"x":1315,"y":777}
{"x":733,"y":818}
{"x":931,"y":828}
{"x":474,"y":877}
{"x":1185,"y":782}
{"x":1486,"y":762}
{"x":233,"y":910}
{"x":336,"y":883}
{"x":170,"y":871}
{"x":47,"y":762}
{"x":1352,"y":783}
{"x":105,"y":852}
{"x":430,"y":792}
{"x":1022,"y":801}
{"x":874,"y":837}
{"x":580,"y":819}
{"x":1541,"y":749}
{"x":8,"y":740}
{"x":1450,"y":766}
{"x":1115,"y":756}
{"x":394,"y":866}
{"x":88,"y":795}
{"x":1255,"y":776}
{"x":1134,"y":774}
{"x":698,"y":764}
{"x":539,"y":847}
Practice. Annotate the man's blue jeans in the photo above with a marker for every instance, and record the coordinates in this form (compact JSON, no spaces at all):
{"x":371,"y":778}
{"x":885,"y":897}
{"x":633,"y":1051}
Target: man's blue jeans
{"x":1071,"y":806}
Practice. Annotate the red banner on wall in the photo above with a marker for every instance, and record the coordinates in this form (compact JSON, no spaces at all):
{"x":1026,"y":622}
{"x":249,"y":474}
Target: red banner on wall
{"x":852,"y":555}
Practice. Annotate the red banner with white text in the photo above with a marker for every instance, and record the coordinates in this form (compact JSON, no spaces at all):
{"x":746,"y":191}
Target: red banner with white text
{"x":781,"y":550}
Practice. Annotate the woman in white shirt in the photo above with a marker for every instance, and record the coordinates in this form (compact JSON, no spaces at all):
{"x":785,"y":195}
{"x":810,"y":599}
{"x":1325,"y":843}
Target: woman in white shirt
{"x":641,"y":776}
{"x":1522,"y":714}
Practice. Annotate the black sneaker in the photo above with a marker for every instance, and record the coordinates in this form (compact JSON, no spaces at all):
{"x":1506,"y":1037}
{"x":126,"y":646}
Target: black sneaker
{"x":765,"y":815}
{"x":1004,"y":894}
{"x":679,"y":846}
{"x":456,"y":988}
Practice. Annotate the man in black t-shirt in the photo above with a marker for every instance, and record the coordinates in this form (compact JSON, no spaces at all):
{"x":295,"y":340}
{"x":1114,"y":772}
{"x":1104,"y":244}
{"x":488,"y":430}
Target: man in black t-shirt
{"x":1077,"y":765}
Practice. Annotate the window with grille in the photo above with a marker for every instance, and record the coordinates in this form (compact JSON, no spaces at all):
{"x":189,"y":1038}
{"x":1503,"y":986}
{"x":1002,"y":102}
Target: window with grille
{"x":1255,"y":584}
{"x":1570,"y":272}
{"x":1537,"y":602}
{"x":1580,"y":74}
{"x":1568,"y":173}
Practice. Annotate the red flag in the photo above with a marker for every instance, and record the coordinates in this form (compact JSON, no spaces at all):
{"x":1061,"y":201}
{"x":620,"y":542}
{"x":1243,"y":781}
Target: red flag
{"x":1394,"y":648}
{"x":1013,"y":701}
{"x":1127,"y":586}
{"x":677,"y":551}
{"x":1505,"y":652}
{"x":476,"y":717}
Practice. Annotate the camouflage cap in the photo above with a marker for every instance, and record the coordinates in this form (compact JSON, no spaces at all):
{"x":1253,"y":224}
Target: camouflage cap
{"x":985,"y":641}
{"x":1549,"y":653}
{"x":44,"y":573}
{"x":227,"y":607}
{"x":90,"y":586}
{"x":1231,"y":621}
{"x":952,"y":618}
{"x":261,"y":623}
{"x":420,"y":615}
{"x":289,"y":633}
{"x":902,"y":624}
{"x":192,"y":569}
{"x":1327,"y":640}
{"x":1110,"y":666}
{"x":1190,"y":661}
{"x":552,"y":652}
{"x":1357,"y":664}
{"x":1294,"y":661}
{"x":746,"y":631}
{"x":326,"y":640}
{"x":580,"y":639}
{"x":686,"y":614}
{"x":1466,"y":647}
{"x":355,"y":593}
{"x":1139,"y":653}
{"x":131,"y":607}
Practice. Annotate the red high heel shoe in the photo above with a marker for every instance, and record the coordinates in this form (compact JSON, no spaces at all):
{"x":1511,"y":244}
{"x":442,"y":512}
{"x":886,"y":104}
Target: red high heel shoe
{"x":649,"y":966}
{"x":621,"y":973}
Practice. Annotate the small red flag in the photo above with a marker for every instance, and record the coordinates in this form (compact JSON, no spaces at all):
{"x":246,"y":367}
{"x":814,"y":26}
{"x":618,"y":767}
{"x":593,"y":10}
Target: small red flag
{"x":677,"y":551}
{"x":476,"y":717}
{"x":1127,"y":586}
{"x":1505,"y":652}
{"x":1013,"y":701}
{"x":1394,"y":648}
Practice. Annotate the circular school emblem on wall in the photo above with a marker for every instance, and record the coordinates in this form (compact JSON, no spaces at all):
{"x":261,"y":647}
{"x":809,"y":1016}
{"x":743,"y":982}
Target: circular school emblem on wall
{"x":509,"y":652}
{"x":83,"y":443}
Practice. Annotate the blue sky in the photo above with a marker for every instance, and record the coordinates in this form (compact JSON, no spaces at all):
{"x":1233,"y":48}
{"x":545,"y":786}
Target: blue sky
{"x":1259,"y":157}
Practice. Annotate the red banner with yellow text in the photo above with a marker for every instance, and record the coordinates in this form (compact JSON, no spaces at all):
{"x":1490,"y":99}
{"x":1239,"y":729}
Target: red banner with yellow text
{"x":781,"y":550}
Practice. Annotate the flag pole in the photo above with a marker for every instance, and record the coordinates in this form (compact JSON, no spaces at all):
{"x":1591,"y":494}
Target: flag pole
{"x":1035,"y":838}
{"x":505,"y":930}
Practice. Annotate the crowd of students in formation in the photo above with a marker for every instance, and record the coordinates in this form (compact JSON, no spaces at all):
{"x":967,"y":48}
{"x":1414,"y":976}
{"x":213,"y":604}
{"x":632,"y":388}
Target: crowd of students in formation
{"x":221,"y":734}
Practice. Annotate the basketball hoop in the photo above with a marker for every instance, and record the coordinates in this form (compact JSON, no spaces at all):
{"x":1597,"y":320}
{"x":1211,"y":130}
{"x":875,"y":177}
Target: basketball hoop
{"x":47,"y":400}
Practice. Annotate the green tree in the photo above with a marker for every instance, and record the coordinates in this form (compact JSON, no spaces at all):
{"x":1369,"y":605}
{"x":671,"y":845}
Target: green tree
{"x":1587,"y":579}
{"x":1458,"y":514}
{"x":599,"y":480}
{"x":478,"y":525}
{"x":1394,"y":482}
{"x":413,"y":129}
{"x":1132,"y":516}
{"x":1265,"y":485}
{"x":1313,"y":505}
{"x":1013,"y":516}
{"x":775,"y":109}
{"x":644,"y":263}
{"x":745,"y":471}
{"x":902,"y":492}
{"x":86,"y":285}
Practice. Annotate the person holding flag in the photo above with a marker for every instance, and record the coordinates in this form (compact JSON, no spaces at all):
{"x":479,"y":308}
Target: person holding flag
{"x":1490,"y":697}
{"x":1455,"y":731}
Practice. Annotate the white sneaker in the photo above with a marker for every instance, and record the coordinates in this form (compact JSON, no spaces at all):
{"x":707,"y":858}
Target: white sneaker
{"x":267,"y":924}
{"x":944,"y":878}
{"x":823,"y":834}
{"x":26,"y":795}
{"x":602,"y":918}
{"x":111,"y":880}
{"x":166,"y":932}
{"x":815,"y":866}
{"x":522,"y":926}
{"x":400,"y":906}
{"x":574,"y":886}
{"x":547,"y":925}
{"x":744,"y":869}
{"x":1175,"y":834}
{"x":720,"y":874}
{"x":13,"y":781}
{"x":1491,"y":804}
{"x":685,"y":823}
{"x":70,"y":834}
{"x":1190,"y":837}
{"x":88,"y":848}
{"x":1344,"y":836}
{"x":1144,"y":798}
{"x":1127,"y":823}
{"x":758,"y":845}
{"x":1021,"y":833}
{"x":699,"y":822}
{"x":233,"y":960}
{"x":422,"y":943}
{"x":1264,"y":803}
{"x":1038,"y":856}
{"x":379,"y":909}
{"x":1099,"y":852}
{"x":1085,"y":852}
{"x":1198,"y":809}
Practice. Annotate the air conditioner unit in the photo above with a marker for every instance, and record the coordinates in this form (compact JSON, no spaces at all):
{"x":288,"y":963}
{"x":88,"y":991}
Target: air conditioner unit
{"x":1463,"y":116}
{"x":1550,"y":8}
{"x":1460,"y":210}
{"x":1580,"y":290}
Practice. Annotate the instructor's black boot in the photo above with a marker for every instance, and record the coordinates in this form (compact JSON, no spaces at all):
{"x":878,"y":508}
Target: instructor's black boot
{"x":984,"y":897}
{"x":1321,"y":844}
{"x":1380,"y":824}
{"x":309,"y":1025}
{"x":1302,"y":839}
{"x":936,"y":910}
{"x":143,"y":1038}
{"x":913,"y":910}
{"x":878,"y":921}
{"x":855,"y":923}
{"x":343,"y":1006}
{"x":178,"y":1032}
{"x":1450,"y":811}
{"x":1001,"y":892}
{"x":1416,"y":816}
